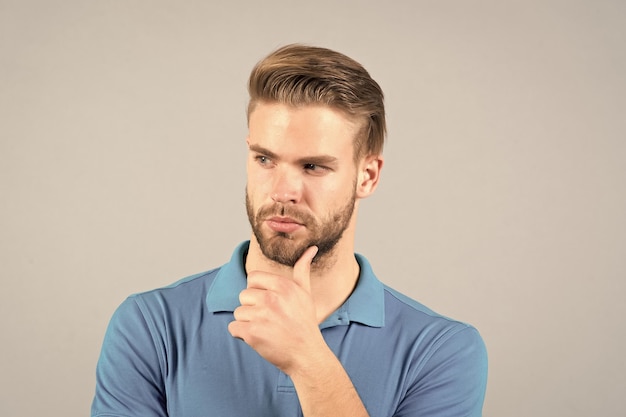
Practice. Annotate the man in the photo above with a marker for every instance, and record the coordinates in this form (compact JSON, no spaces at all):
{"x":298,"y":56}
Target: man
{"x":295,"y":323}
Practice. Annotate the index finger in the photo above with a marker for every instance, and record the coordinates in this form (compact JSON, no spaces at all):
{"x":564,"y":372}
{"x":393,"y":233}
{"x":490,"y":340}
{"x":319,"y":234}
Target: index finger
{"x":302,"y":268}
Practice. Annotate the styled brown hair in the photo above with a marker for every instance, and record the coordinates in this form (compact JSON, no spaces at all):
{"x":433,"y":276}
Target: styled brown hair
{"x":303,"y":75}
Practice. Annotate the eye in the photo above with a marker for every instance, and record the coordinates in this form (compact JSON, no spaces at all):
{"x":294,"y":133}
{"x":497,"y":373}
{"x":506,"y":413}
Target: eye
{"x":263,"y":160}
{"x":315,"y":169}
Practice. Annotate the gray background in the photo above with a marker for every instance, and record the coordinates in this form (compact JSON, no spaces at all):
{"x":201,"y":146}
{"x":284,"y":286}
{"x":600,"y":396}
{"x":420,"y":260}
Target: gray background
{"x":502,"y":201}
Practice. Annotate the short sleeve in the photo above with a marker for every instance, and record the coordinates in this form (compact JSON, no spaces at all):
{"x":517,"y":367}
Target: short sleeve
{"x":129,"y":374}
{"x":453,"y":380}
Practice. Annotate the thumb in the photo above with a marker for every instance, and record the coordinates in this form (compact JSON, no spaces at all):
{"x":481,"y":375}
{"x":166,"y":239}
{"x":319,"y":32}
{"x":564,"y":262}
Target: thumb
{"x":302,"y":268}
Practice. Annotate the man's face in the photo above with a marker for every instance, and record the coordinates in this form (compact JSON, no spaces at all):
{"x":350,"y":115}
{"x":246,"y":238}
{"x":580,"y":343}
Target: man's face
{"x":301,"y":179}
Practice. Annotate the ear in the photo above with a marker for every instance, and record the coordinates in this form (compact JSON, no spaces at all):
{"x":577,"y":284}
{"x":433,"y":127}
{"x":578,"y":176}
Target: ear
{"x":368,"y":175}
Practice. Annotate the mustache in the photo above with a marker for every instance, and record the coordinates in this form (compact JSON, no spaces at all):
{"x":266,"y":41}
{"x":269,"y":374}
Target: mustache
{"x":284,"y":211}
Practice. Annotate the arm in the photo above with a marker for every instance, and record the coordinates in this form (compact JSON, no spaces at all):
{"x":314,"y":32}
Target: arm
{"x":325,"y":389}
{"x":129,"y":372}
{"x":277,"y":318}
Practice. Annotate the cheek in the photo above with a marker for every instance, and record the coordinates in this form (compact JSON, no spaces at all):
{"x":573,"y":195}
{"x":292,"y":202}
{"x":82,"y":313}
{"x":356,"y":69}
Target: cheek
{"x":257,"y":179}
{"x":325,"y":196}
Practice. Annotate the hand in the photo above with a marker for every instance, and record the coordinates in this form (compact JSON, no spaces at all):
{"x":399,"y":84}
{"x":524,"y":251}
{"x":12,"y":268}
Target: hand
{"x":277,"y":316}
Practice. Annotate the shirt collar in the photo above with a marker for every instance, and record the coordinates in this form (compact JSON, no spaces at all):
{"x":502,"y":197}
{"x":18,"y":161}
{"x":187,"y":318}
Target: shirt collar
{"x":223,"y":295}
{"x":365,"y":305}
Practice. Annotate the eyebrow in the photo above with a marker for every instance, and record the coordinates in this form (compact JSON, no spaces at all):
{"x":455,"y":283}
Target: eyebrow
{"x":313,"y":159}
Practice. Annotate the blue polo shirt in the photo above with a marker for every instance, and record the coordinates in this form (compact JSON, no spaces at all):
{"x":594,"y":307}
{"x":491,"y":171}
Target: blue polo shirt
{"x":168,"y":352}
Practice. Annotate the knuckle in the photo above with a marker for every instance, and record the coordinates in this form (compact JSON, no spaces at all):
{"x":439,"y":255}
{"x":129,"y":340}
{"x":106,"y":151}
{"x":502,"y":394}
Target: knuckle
{"x":233,"y":328}
{"x":271,"y":298}
{"x":243,"y":296}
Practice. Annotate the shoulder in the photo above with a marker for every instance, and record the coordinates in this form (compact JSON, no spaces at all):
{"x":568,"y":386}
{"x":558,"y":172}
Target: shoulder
{"x":442,"y":352}
{"x":429,"y":327}
{"x":401,"y":306}
{"x":178,"y":298}
{"x":183,"y":290}
{"x":134,"y":360}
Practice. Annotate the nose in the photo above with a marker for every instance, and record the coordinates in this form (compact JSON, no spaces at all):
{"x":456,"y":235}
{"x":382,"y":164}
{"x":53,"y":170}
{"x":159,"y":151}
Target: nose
{"x":287,"y":186}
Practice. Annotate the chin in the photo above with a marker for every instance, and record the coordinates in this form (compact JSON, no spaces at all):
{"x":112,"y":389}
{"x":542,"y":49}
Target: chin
{"x":283,"y":248}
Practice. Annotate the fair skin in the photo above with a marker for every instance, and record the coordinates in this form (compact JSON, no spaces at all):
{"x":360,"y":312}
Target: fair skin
{"x":303,"y":158}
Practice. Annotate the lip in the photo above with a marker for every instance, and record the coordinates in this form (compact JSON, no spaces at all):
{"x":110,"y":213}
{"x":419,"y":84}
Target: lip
{"x":283,"y":224}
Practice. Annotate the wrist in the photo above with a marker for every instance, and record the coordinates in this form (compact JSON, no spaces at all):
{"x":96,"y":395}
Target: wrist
{"x":315,"y":369}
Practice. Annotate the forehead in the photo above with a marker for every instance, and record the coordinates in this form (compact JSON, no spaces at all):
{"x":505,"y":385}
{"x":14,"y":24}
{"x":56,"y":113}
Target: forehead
{"x":303,"y":129}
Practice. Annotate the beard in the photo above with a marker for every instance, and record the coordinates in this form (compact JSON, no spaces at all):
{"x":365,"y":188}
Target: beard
{"x":283,"y":247}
